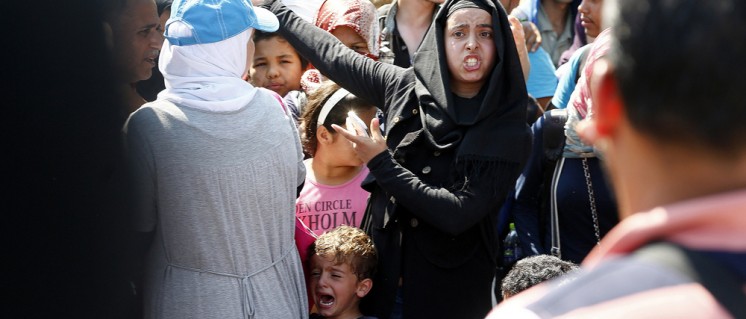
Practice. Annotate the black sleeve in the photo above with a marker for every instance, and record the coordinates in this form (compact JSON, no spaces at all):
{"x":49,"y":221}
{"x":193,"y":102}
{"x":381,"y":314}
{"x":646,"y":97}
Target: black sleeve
{"x":360,"y":75}
{"x":526,"y":207}
{"x":452,"y":212}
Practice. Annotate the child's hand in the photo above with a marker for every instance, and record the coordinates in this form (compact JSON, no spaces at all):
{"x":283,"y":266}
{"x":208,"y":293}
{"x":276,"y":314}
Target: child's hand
{"x":365,"y":147}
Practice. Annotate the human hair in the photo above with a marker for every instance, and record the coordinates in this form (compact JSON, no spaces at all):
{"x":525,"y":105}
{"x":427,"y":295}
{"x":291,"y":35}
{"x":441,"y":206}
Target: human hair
{"x":347,"y":245}
{"x":533,"y":110}
{"x":162,"y":5}
{"x":337,"y":115}
{"x":679,"y":71}
{"x":261,"y":35}
{"x":533,"y":270}
{"x":113,"y":9}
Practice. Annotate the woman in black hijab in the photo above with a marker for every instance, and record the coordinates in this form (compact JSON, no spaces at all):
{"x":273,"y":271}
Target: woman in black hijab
{"x":456,"y":139}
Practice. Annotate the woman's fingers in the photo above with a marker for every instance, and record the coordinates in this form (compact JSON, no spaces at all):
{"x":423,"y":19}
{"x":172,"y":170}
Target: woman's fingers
{"x":347,"y":134}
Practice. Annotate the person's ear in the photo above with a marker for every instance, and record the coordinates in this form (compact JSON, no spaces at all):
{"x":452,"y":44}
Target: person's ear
{"x":608,"y":107}
{"x":608,"y":104}
{"x":323,"y":135}
{"x":363,"y":287}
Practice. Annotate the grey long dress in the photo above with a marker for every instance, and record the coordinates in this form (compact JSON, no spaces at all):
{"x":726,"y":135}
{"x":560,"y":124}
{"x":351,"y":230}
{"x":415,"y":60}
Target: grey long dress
{"x":219,"y":188}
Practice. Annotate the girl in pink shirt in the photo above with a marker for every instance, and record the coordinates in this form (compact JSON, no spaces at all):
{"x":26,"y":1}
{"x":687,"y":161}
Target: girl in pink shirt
{"x":332,"y":195}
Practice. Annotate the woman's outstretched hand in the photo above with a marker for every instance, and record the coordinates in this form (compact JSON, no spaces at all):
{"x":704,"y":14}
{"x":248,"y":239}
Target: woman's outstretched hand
{"x":365,"y":147}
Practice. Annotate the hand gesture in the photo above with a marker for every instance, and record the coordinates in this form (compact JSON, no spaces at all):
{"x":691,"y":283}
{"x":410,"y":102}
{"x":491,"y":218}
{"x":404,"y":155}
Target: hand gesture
{"x":365,"y":147}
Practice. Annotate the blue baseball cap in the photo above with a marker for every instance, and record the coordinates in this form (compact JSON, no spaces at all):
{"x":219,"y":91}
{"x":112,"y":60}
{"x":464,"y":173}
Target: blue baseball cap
{"x":216,"y":20}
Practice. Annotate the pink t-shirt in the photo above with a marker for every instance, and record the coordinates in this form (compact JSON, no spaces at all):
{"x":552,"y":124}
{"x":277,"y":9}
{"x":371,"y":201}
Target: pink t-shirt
{"x":323,"y":207}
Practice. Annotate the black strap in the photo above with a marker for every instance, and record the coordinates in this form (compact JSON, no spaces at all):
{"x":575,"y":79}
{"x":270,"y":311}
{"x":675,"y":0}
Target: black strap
{"x":720,"y":281}
{"x":554,"y":134}
{"x":553,"y":144}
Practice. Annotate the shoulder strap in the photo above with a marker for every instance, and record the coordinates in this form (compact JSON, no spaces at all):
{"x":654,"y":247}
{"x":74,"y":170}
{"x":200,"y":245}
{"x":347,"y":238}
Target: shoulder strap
{"x":725,"y":286}
{"x":386,"y":54}
{"x":553,"y":133}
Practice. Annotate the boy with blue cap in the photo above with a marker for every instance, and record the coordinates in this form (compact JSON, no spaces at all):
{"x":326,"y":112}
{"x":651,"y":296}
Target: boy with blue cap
{"x":215,"y":164}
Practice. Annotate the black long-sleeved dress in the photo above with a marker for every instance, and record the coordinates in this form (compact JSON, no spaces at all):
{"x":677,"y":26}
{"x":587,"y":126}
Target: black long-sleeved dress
{"x":432,"y":212}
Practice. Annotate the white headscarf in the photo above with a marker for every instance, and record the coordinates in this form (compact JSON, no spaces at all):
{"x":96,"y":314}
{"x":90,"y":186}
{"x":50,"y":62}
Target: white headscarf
{"x":206,"y":76}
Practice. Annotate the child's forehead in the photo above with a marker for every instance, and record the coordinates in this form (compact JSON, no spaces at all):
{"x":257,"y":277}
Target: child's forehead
{"x":329,"y":261}
{"x":274,"y":45}
{"x":272,"y":48}
{"x":274,"y":39}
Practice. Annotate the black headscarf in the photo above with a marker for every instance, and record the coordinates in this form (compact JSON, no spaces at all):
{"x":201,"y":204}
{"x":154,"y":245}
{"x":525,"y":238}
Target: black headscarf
{"x":497,"y":133}
{"x":463,"y":4}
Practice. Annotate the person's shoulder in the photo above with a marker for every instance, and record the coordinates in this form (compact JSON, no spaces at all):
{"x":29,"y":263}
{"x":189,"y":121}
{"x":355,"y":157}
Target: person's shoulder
{"x":267,"y":96}
{"x":383,"y":10}
{"x":264,"y":93}
{"x":151,"y":110}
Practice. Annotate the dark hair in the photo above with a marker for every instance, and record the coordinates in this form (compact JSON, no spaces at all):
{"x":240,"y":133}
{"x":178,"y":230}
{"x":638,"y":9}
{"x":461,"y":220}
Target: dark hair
{"x":533,"y":110}
{"x":337,"y":115}
{"x":162,"y":5}
{"x":261,"y":35}
{"x":680,"y":70}
{"x":533,"y":270}
{"x":347,"y":245}
{"x":112,"y":9}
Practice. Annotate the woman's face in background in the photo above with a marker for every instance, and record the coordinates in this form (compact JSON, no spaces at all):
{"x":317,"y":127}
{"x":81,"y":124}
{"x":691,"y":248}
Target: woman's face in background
{"x":351,"y":39}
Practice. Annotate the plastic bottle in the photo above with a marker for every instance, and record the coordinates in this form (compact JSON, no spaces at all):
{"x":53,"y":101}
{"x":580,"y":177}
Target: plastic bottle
{"x":512,"y":246}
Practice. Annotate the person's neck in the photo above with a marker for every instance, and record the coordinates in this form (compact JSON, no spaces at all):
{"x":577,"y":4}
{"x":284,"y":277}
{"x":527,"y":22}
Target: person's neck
{"x":556,"y":13}
{"x":467,"y":90}
{"x":648,"y":174}
{"x":329,"y":174}
{"x":414,"y":13}
{"x":413,"y":18}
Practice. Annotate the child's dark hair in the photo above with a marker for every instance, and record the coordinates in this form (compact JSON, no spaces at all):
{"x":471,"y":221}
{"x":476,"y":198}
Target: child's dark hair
{"x":534,"y":270}
{"x":261,"y":35}
{"x":337,"y":115}
{"x":347,"y":245}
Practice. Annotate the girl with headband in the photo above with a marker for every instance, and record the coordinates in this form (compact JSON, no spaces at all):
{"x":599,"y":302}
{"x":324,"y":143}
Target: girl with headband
{"x":332,"y":194}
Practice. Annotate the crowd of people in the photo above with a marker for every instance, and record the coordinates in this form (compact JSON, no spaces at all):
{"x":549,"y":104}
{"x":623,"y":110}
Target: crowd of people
{"x":362,"y":159}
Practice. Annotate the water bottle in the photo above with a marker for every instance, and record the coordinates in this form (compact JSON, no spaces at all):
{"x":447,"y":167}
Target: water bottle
{"x":512,"y":247}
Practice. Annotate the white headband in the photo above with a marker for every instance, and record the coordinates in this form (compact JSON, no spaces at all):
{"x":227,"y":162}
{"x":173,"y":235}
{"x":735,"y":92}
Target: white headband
{"x":329,"y":105}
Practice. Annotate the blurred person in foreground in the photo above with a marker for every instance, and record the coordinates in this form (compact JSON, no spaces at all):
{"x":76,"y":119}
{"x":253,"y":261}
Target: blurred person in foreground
{"x":675,"y":148}
{"x":62,"y":238}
